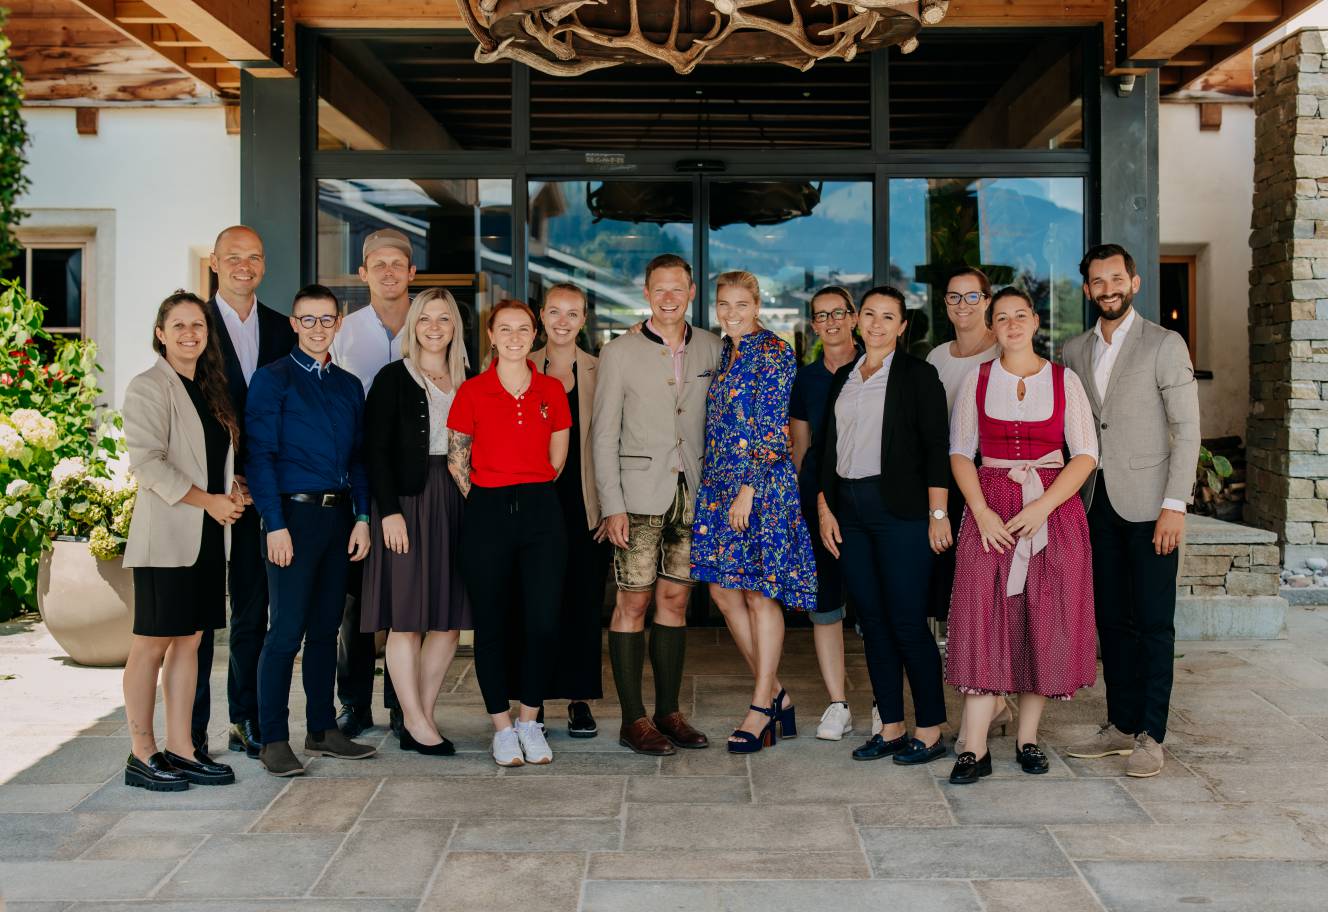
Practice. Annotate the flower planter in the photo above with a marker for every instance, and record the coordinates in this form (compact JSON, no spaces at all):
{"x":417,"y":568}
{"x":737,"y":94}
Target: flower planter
{"x":87,"y":604}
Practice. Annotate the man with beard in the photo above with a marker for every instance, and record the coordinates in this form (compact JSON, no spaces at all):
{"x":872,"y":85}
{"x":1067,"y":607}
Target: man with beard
{"x":369,"y":340}
{"x":1146,"y":405}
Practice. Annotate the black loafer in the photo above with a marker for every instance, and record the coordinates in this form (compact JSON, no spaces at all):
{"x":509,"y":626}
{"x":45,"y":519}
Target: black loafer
{"x":353,"y":720}
{"x":443,"y":748}
{"x":396,"y":721}
{"x":202,"y":769}
{"x":244,"y":738}
{"x":969,"y":769}
{"x":156,"y":775}
{"x":1032,"y":759}
{"x":917,"y":752}
{"x":877,"y":747}
{"x":580,"y":723}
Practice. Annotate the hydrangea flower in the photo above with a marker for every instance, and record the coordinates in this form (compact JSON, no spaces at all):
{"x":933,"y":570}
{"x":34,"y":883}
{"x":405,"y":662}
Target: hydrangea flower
{"x":37,"y":430}
{"x":68,"y":468}
{"x":17,"y":488}
{"x":11,"y":442}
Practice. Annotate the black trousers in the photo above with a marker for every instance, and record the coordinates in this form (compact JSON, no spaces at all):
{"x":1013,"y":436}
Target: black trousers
{"x":1134,"y":589}
{"x":579,"y":665}
{"x":943,"y":567}
{"x":247,"y":585}
{"x":513,"y":544}
{"x":886,"y":562}
{"x":357,"y":656}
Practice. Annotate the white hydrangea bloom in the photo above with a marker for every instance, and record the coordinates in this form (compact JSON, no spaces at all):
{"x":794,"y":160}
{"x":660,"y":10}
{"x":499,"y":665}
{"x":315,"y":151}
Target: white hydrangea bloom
{"x":67,"y":468}
{"x":17,"y":488}
{"x":37,"y":430}
{"x":11,"y":443}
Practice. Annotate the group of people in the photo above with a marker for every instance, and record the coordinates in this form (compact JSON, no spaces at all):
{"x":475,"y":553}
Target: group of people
{"x":365,"y":479}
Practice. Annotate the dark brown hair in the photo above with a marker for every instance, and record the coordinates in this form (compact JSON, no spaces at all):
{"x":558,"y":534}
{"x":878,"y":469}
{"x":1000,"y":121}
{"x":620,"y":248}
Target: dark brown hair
{"x":315,"y":292}
{"x":668,"y":261}
{"x":984,"y":283}
{"x":1106,"y":252}
{"x":838,"y":291}
{"x":1009,"y":291}
{"x":885,"y":291}
{"x":210,"y":372}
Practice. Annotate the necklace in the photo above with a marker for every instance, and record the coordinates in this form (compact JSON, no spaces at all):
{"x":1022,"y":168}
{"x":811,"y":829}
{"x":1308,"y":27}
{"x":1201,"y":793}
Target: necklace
{"x":516,"y":394}
{"x":988,"y":340}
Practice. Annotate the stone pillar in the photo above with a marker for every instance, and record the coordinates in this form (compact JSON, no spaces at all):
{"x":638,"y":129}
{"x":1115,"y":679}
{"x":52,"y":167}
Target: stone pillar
{"x":1287,"y":437}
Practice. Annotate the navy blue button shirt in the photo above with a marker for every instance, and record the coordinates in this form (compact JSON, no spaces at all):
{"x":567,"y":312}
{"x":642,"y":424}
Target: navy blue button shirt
{"x":304,"y":427}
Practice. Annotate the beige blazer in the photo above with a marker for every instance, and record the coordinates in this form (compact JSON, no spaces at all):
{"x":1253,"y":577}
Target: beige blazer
{"x":167,"y":455}
{"x":586,"y":364}
{"x":645,"y":426}
{"x":1147,"y":422}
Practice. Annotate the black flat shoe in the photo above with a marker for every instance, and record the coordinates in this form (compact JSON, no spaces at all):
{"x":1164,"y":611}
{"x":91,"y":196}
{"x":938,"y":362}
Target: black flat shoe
{"x":443,"y":748}
{"x":877,"y":747}
{"x":580,"y":723}
{"x":917,"y":752}
{"x":157,"y":775}
{"x":353,"y":720}
{"x":244,"y":738}
{"x":202,"y":769}
{"x":969,"y":769}
{"x":396,"y":721}
{"x":1032,"y":759}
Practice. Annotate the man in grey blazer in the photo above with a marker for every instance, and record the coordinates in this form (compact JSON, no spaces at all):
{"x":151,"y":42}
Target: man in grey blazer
{"x":647,"y":435}
{"x":1146,"y":404}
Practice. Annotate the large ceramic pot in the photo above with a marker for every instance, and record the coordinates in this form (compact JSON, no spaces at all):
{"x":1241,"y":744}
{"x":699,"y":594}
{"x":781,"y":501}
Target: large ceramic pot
{"x":87,"y":604}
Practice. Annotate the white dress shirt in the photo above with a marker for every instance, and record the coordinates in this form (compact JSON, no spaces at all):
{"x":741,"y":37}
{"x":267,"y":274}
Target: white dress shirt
{"x":243,"y":333}
{"x":1104,"y":361}
{"x":364,"y":346}
{"x":859,"y":412}
{"x":1003,"y":404}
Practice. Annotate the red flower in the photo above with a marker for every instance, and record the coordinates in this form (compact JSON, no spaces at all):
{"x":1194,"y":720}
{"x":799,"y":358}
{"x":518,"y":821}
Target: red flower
{"x":6,"y":380}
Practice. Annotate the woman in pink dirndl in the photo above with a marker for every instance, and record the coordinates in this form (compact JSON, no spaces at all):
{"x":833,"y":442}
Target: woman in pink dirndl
{"x":1021,"y":616}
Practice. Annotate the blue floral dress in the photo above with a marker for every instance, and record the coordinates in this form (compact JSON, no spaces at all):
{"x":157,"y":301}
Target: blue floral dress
{"x":747,"y":442}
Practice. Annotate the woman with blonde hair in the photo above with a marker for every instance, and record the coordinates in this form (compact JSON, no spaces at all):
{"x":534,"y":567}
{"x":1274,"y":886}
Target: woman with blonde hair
{"x":412,"y":582}
{"x":749,"y":538}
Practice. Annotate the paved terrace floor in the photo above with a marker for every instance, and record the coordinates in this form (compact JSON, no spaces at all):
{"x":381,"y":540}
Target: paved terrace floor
{"x":1238,"y":820}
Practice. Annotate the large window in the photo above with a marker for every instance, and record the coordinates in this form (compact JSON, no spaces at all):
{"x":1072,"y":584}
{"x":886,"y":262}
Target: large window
{"x":1027,"y":232}
{"x":53,"y":273}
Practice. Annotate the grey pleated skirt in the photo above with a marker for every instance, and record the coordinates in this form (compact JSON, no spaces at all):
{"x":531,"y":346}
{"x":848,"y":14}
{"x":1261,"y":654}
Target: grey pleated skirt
{"x":420,"y":590}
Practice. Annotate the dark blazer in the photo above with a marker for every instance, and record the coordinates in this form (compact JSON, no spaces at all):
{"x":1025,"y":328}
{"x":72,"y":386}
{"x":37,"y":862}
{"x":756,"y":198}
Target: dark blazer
{"x":275,"y":340}
{"x":915,"y":438}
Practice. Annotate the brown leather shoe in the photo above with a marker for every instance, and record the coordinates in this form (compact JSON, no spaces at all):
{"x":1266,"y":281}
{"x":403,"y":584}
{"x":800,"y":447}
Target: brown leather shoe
{"x":644,"y":738}
{"x":677,"y":729}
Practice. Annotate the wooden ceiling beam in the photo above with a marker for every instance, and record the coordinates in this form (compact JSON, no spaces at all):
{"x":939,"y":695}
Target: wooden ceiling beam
{"x":1160,"y":29}
{"x":235,"y":29}
{"x":435,"y":14}
{"x":141,"y":34}
{"x":134,"y":12}
{"x":1259,"y":11}
{"x":174,"y":36}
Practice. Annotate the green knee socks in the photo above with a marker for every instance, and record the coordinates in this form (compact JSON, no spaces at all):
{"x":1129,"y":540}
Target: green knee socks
{"x":627,"y":653}
{"x":668,"y":649}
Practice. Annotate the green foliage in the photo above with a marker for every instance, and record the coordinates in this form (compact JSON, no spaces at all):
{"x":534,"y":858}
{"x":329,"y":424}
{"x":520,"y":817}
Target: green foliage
{"x":56,"y":450}
{"x":1212,"y":471}
{"x":13,"y":143}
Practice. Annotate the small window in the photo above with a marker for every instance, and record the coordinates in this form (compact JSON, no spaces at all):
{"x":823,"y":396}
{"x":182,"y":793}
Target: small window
{"x":1177,"y":297}
{"x":53,"y":275}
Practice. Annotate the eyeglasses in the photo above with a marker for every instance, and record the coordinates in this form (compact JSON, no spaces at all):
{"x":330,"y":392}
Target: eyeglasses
{"x":839,"y":313}
{"x":308,"y":321}
{"x":972,"y":298}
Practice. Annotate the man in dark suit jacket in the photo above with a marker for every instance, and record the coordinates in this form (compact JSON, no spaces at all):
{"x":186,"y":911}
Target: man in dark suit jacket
{"x":251,"y":335}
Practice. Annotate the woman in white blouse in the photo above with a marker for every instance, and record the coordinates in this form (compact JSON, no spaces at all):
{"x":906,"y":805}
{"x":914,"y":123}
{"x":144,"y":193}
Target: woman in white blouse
{"x":412,"y":584}
{"x":1021,"y":617}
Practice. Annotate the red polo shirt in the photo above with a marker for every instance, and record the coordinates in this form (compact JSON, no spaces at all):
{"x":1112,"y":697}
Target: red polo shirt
{"x":510,"y":434}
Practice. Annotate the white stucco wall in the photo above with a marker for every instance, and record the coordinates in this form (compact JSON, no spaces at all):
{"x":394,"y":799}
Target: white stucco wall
{"x":1206,"y":181}
{"x":164,"y":181}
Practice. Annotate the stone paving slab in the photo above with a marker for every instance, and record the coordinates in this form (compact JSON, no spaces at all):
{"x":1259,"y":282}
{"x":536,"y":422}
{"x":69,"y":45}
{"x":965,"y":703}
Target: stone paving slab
{"x":76,"y":761}
{"x":50,"y":837}
{"x":253,"y":789}
{"x":153,"y":846}
{"x":544,"y":796}
{"x":698,"y":790}
{"x":1220,"y":886}
{"x":518,"y":834}
{"x":761,"y":896}
{"x":387,"y":858}
{"x":753,"y":827}
{"x":734,"y":864}
{"x":183,"y":823}
{"x":1190,"y":842}
{"x":317,"y":806}
{"x":1062,"y":894}
{"x":963,"y":852}
{"x":491,"y":881}
{"x":45,"y":798}
{"x":262,"y":865}
{"x":283,"y":905}
{"x":75,"y":880}
{"x":1036,"y":800}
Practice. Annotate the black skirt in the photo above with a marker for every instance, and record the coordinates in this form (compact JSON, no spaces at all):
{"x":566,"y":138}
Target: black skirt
{"x":180,"y":601}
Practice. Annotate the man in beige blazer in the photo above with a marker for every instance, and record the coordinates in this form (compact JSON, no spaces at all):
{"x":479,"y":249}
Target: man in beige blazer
{"x":1146,"y":405}
{"x":647,"y":437}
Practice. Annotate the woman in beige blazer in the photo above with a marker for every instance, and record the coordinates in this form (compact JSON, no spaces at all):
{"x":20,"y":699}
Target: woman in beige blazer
{"x":578,"y":674}
{"x":181,"y":431}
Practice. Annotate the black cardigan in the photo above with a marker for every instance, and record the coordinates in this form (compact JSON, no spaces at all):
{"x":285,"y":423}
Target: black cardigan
{"x":915,"y":437}
{"x":396,"y":437}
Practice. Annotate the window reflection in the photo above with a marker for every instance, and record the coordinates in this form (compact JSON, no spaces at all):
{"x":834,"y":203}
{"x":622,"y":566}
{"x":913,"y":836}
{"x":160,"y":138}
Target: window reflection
{"x":1027,"y":232}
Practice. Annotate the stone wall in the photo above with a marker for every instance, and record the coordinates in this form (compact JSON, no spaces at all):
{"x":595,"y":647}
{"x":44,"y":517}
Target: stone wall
{"x":1239,"y":568}
{"x":1228,"y":586}
{"x":1287,"y":432}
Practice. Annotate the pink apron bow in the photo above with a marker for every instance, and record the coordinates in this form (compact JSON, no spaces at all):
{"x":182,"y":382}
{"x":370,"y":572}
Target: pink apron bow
{"x":1024,"y":474}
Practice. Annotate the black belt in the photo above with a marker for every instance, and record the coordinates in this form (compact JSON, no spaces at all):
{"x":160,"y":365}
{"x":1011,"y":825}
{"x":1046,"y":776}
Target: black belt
{"x":321,"y":498}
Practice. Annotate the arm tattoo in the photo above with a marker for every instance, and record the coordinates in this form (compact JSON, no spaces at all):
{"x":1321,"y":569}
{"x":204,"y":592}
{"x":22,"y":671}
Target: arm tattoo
{"x":458,"y":459}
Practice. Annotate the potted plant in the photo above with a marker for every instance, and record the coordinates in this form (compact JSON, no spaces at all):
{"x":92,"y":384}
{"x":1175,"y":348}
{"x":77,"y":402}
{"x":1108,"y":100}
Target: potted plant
{"x":66,"y":500}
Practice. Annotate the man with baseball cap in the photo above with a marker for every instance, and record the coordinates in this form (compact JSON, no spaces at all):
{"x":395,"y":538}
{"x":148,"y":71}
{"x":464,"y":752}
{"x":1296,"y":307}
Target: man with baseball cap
{"x":369,"y":340}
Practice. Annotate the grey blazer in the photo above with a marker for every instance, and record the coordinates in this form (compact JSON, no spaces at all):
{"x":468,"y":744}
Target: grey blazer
{"x":645,"y":426}
{"x":1148,"y":421}
{"x":586,"y":364}
{"x":167,"y":455}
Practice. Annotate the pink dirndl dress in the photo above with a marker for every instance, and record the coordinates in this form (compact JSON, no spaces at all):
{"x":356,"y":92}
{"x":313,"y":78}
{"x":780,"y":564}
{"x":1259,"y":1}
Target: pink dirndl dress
{"x":1038,"y":638}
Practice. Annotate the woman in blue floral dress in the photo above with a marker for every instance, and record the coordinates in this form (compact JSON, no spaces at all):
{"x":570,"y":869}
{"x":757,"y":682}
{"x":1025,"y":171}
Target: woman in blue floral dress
{"x":749,"y":539}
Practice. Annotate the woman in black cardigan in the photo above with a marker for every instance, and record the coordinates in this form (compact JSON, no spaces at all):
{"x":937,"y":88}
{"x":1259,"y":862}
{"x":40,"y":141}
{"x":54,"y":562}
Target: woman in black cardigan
{"x":412,"y":585}
{"x":885,"y":478}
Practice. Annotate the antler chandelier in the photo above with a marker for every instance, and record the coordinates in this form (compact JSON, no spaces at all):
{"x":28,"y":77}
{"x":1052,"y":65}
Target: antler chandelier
{"x":570,"y":37}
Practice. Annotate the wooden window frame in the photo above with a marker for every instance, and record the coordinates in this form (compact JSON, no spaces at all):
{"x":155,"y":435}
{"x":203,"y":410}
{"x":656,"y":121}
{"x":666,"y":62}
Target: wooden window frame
{"x":1191,"y":260}
{"x":74,"y":239}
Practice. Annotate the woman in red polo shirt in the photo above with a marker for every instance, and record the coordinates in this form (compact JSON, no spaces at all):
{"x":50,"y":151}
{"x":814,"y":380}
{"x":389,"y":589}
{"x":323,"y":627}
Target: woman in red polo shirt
{"x":507,"y":441}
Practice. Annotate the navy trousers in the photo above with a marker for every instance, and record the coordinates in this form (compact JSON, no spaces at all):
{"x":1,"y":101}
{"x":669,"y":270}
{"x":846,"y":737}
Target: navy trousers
{"x":306,"y":603}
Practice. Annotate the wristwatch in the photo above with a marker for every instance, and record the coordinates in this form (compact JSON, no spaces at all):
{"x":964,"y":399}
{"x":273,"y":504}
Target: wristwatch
{"x":939,"y":514}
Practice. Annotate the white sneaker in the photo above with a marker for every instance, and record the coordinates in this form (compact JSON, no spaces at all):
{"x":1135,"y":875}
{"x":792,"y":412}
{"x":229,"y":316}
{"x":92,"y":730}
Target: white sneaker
{"x":533,"y":745}
{"x":836,"y":722}
{"x":876,"y":719}
{"x":506,"y":748}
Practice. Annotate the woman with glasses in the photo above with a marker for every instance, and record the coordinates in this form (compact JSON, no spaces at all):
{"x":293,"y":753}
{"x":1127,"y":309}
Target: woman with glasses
{"x":508,"y":434}
{"x":833,"y":320}
{"x":1021,"y":620}
{"x":412,"y":581}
